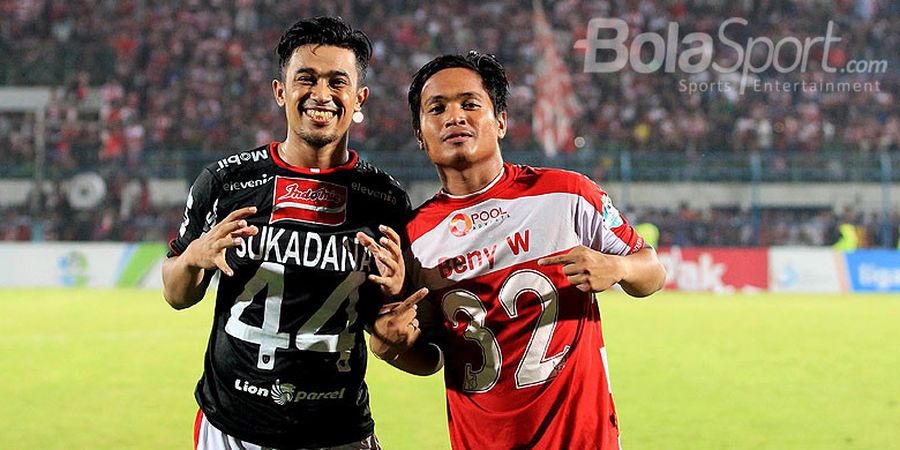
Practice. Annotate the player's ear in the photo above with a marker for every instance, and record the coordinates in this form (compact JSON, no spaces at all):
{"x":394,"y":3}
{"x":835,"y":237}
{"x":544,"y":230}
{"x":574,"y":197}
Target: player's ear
{"x":420,"y":140}
{"x":361,"y":95}
{"x":501,"y":125}
{"x":278,"y":92}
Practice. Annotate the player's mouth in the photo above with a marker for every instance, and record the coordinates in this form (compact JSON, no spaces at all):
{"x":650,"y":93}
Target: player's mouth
{"x":457,"y":136}
{"x":320,"y":116}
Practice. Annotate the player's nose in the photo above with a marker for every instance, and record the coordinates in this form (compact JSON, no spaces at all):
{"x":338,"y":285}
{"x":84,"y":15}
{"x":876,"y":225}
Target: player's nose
{"x":455,"y":116}
{"x":321,"y":93}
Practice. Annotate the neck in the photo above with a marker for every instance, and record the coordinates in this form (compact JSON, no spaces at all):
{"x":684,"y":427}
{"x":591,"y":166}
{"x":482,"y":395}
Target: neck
{"x":298,"y":153}
{"x":470,"y":179}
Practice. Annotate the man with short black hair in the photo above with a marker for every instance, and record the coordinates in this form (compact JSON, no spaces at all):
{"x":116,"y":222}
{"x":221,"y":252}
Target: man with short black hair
{"x":513,"y":256}
{"x":288,"y":225}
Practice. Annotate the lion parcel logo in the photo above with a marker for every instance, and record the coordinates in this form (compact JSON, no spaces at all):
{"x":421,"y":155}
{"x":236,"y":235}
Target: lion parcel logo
{"x":462,"y":224}
{"x":309,"y":201}
{"x":286,"y":393}
{"x":694,"y":53}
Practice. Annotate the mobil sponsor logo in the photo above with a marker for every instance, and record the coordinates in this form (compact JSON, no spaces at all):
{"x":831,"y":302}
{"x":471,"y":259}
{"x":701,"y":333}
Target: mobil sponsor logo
{"x":308,"y":201}
{"x":240,"y":158}
{"x":720,"y":270}
{"x":463,"y":223}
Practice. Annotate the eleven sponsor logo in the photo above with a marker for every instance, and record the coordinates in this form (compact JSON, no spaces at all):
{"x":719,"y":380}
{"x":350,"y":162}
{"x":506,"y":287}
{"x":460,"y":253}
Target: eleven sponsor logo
{"x":309,"y":201}
{"x":239,"y":185}
{"x":463,"y":224}
{"x":285,"y":393}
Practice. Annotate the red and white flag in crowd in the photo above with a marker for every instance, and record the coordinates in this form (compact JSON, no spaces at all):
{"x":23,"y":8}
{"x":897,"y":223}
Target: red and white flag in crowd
{"x":555,"y":106}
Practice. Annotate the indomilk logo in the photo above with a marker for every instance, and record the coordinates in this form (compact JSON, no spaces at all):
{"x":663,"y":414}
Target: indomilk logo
{"x":309,"y":201}
{"x":285,"y":393}
{"x":462,"y":224}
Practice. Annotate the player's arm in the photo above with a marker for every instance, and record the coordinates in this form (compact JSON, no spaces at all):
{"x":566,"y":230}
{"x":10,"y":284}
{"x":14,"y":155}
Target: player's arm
{"x":395,"y":338}
{"x":423,"y":358}
{"x":184,"y":280}
{"x":640,"y":274}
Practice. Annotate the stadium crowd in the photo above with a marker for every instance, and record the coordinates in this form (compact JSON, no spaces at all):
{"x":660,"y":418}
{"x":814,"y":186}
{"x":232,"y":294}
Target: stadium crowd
{"x":147,"y":81}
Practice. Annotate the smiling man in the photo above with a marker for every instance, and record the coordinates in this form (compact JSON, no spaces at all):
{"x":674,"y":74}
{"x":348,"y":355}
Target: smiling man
{"x":513,"y":256}
{"x":288,"y":225}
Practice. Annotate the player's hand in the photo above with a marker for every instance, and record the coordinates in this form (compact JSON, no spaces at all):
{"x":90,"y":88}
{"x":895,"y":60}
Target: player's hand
{"x":388,"y":260}
{"x":396,"y":328}
{"x":587,"y":269}
{"x":208,"y":251}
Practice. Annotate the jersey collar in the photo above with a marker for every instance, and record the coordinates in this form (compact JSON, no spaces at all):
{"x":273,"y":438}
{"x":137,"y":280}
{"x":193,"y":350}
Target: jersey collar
{"x":500,"y":182}
{"x":351,"y":163}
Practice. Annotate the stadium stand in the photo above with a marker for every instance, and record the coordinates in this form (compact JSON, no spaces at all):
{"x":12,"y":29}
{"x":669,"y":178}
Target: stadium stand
{"x":146,"y":90}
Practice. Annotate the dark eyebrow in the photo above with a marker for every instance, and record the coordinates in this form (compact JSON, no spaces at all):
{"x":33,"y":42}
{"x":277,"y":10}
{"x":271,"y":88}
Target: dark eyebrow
{"x":329,"y":74}
{"x":463,"y":95}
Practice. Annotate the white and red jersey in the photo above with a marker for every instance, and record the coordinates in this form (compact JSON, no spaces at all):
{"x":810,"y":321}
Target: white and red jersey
{"x":525,"y":362}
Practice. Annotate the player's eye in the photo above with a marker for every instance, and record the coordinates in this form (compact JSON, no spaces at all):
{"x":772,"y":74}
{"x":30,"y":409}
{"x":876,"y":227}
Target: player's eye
{"x":471,"y":105}
{"x":436,"y":109}
{"x":307,"y":80}
{"x":338,"y":83}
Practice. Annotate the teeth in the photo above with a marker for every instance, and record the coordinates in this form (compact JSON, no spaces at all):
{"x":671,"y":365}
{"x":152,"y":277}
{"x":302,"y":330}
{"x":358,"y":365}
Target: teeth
{"x":319,"y":115}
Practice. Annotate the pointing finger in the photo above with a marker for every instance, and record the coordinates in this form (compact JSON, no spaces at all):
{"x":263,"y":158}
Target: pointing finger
{"x":388,"y":307}
{"x":411,"y":300}
{"x":558,"y":259}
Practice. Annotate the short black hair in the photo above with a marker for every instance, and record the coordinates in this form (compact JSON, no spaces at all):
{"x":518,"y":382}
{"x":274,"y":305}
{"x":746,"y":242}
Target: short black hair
{"x":324,"y":31}
{"x":493,"y":78}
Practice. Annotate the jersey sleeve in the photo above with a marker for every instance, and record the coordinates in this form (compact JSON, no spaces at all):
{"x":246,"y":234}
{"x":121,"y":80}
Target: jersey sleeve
{"x":600,"y":225}
{"x":199,"y":211}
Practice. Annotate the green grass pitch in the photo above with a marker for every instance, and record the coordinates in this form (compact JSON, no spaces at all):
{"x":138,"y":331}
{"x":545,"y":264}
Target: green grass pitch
{"x":115,"y":369}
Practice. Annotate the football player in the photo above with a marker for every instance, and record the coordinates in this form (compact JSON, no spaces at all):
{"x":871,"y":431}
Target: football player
{"x":288,"y":224}
{"x":513,"y":256}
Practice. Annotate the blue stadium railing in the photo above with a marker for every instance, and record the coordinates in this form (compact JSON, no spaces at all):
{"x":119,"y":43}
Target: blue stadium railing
{"x":607,"y":164}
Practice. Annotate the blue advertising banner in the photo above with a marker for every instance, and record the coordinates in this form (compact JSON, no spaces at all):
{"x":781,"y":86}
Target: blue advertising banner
{"x":874,"y":270}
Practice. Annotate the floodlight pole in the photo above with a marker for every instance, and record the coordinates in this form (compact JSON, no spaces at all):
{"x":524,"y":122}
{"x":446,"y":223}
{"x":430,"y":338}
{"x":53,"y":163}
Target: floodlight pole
{"x":886,"y":199}
{"x":756,"y":179}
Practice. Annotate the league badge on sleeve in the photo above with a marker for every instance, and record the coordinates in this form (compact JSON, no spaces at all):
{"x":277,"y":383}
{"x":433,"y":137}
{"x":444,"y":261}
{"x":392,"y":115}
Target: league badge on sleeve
{"x":611,"y":217}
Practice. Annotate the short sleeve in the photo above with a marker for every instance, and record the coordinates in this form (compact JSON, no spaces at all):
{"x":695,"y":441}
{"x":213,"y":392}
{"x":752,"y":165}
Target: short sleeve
{"x":199,"y":212}
{"x":600,"y":225}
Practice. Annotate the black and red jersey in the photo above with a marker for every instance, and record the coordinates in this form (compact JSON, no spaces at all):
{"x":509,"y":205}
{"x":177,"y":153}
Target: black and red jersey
{"x":286,"y":356}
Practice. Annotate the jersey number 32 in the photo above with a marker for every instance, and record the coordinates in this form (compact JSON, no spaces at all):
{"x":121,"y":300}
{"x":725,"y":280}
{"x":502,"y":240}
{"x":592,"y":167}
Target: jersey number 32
{"x":536,"y":367}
